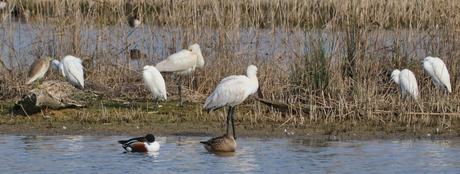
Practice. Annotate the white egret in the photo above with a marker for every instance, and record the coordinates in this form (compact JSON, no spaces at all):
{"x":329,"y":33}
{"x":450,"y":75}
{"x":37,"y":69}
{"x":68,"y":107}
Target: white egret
{"x":71,"y":68}
{"x":182,"y":63}
{"x":55,"y":65}
{"x":141,"y":144}
{"x":436,"y":68}
{"x":406,"y":80}
{"x":134,"y":21}
{"x":37,"y":70}
{"x":232,"y":91}
{"x":225,"y":143}
{"x":155,"y":83}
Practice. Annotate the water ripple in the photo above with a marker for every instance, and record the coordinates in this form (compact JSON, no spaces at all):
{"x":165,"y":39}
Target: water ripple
{"x":102,"y":154}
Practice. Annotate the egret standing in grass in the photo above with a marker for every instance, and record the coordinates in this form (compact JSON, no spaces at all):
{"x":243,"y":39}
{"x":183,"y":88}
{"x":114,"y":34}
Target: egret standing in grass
{"x":232,"y":91}
{"x":436,"y":68}
{"x":406,"y":80}
{"x":71,"y":68}
{"x":182,"y":63}
{"x":155,"y":83}
{"x":37,"y":70}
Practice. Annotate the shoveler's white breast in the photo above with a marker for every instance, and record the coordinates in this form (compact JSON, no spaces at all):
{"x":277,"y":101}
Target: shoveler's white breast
{"x":153,"y":147}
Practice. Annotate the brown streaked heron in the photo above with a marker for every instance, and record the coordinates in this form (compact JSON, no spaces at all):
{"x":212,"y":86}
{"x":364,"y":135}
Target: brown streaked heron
{"x":37,"y":70}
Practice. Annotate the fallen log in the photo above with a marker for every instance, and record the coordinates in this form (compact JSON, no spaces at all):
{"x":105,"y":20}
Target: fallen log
{"x":54,"y":95}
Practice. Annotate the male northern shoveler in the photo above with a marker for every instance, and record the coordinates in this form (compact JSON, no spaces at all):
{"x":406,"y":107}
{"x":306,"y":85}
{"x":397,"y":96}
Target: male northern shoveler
{"x":141,"y":144}
{"x":134,"y":21}
{"x":225,"y":143}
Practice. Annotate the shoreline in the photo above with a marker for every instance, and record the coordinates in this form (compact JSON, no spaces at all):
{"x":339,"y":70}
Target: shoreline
{"x":134,"y":119}
{"x":166,"y":130}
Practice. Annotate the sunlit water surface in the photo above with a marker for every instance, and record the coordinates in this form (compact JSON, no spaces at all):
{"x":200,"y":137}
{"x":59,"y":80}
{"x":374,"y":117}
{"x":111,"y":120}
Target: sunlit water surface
{"x":102,"y":154}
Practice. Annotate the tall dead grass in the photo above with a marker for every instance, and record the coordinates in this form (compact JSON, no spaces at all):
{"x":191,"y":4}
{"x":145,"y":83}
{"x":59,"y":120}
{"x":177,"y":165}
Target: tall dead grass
{"x":323,"y":52}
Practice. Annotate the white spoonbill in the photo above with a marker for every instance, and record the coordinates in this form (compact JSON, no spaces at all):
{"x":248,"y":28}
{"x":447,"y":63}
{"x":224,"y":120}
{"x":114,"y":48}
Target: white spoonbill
{"x":406,"y":80}
{"x":182,"y":63}
{"x":155,"y":83}
{"x":71,"y":68}
{"x":436,"y":68}
{"x":232,"y":91}
{"x":37,"y":70}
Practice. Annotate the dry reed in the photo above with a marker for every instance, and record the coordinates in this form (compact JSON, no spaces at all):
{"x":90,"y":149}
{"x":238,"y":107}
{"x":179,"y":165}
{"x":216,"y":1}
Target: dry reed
{"x":323,"y":52}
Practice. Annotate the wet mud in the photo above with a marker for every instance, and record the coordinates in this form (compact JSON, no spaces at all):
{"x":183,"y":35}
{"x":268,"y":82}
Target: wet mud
{"x":125,"y":118}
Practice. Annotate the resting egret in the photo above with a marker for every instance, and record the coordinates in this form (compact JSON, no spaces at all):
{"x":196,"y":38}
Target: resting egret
{"x":134,"y":21}
{"x":438,"y":72}
{"x":406,"y":80}
{"x":37,"y":70}
{"x":155,"y":83}
{"x":232,"y":91}
{"x":141,"y":144}
{"x":225,"y":143}
{"x":71,"y":68}
{"x":182,"y":63}
{"x":55,"y":65}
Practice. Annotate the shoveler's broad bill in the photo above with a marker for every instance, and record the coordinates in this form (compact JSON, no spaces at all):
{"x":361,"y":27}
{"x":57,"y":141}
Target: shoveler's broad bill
{"x":141,"y":144}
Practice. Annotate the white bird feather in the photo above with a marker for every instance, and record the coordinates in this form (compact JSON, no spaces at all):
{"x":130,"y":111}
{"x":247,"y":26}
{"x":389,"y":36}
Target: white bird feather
{"x":436,"y":68}
{"x":71,"y":68}
{"x":233,"y":90}
{"x":182,"y":63}
{"x":407,"y":81}
{"x":154,"y":82}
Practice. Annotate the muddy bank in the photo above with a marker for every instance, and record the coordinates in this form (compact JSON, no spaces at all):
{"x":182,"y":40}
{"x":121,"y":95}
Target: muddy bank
{"x":136,"y":118}
{"x":186,"y":129}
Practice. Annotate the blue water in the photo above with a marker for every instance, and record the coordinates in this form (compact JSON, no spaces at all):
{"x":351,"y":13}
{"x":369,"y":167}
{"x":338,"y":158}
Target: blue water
{"x":102,"y":154}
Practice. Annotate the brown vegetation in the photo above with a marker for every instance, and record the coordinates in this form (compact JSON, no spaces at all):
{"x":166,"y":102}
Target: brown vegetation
{"x":327,"y":53}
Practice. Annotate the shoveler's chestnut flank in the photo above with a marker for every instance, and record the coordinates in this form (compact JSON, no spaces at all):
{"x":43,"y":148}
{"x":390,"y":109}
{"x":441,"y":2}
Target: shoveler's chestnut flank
{"x":141,"y":144}
{"x":225,"y":143}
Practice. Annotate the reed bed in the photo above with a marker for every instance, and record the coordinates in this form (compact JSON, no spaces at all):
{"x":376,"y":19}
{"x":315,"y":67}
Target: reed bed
{"x":318,"y":53}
